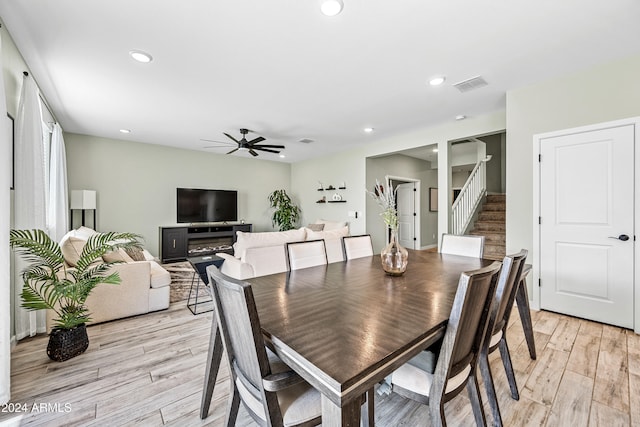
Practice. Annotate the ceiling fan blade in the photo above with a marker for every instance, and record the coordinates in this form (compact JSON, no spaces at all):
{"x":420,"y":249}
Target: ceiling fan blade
{"x":253,"y":153}
{"x":234,"y":140}
{"x":265,"y":149}
{"x":233,"y":151}
{"x":217,"y":142}
{"x":269,"y":146}
{"x":216,"y":146}
{"x":256,"y":140}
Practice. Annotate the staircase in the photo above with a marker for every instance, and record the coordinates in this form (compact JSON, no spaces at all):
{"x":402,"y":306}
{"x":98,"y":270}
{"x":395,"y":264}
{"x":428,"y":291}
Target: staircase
{"x":491,"y":225}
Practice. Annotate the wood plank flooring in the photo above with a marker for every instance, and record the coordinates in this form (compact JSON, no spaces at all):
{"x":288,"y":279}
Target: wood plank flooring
{"x":149,"y":370}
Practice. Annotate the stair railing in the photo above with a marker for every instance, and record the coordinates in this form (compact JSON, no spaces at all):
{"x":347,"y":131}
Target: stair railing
{"x":467,"y":202}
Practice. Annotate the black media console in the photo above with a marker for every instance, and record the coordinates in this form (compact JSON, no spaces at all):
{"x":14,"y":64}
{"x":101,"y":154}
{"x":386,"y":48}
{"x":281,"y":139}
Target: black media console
{"x":178,"y":243}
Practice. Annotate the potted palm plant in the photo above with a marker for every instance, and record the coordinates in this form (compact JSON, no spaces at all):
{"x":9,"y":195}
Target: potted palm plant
{"x":286,"y":212}
{"x":50,"y":284}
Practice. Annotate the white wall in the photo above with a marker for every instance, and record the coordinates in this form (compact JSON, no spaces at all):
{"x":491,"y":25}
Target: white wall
{"x":603,"y":93}
{"x":136,"y":183}
{"x":350,"y":166}
{"x":406,"y":167}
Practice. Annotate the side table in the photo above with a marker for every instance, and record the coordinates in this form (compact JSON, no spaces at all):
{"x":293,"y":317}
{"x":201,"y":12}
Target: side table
{"x":200,"y":264}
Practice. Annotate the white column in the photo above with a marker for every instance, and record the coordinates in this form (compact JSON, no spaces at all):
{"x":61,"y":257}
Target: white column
{"x":444,"y":188}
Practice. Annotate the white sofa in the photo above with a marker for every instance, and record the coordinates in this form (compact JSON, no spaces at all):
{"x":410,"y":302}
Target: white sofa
{"x":144,"y":285}
{"x":259,"y":254}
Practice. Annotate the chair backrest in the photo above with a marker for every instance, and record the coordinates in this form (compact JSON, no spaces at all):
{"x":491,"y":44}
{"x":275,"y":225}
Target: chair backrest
{"x":466,"y":328}
{"x":506,"y":291}
{"x":357,"y":246}
{"x":239,"y":325}
{"x":464,"y":245}
{"x":306,"y":254}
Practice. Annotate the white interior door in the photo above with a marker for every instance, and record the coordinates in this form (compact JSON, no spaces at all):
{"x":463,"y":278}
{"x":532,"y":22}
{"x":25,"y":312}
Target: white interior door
{"x":586,"y":210}
{"x":406,"y":207}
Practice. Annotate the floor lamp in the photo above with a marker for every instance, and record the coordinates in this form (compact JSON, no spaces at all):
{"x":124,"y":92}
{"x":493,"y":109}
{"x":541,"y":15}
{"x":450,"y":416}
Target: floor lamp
{"x":83,"y":200}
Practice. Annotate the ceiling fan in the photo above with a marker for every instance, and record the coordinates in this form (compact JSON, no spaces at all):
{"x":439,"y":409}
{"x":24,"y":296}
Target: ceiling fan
{"x":244,"y":145}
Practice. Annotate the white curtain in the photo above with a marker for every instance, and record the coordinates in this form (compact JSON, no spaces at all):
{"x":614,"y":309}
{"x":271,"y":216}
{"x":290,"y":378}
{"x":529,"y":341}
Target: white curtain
{"x":6,"y":145}
{"x":30,"y":201}
{"x":58,"y":215}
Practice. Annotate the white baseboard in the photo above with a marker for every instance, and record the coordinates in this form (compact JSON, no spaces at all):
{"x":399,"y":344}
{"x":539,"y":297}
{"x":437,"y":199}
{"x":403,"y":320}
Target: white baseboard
{"x":435,"y":245}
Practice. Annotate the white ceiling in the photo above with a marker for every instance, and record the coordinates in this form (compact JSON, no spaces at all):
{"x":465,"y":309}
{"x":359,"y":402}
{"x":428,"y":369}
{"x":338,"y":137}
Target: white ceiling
{"x":287,"y":72}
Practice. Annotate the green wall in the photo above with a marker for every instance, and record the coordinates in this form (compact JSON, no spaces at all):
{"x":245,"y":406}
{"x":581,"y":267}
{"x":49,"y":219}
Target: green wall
{"x":136,"y":183}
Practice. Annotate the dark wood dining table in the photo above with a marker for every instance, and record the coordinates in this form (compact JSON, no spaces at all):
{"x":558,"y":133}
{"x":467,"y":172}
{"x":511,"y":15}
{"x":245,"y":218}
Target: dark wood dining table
{"x":345,"y":326}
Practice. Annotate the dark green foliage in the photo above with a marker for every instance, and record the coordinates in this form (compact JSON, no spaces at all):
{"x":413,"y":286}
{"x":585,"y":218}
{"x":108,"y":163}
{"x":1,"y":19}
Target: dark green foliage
{"x":286,"y":213}
{"x":50,"y":284}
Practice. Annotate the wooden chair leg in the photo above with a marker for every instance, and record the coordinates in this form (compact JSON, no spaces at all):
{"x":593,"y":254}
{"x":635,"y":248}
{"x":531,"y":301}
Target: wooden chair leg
{"x":436,"y":409}
{"x":522,"y":298}
{"x":213,"y":365}
{"x":234,"y":406}
{"x":476,"y":401}
{"x":508,"y":368}
{"x":487,"y":377}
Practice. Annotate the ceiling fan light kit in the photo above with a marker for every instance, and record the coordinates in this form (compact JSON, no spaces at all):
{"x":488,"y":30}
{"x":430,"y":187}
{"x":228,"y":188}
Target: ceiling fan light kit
{"x":331,"y":7}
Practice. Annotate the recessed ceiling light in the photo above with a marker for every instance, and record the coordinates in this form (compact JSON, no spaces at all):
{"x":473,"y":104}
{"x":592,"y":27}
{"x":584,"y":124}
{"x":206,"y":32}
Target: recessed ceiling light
{"x":125,"y":131}
{"x":331,"y":7}
{"x":435,"y":150}
{"x":461,"y":117}
{"x":368,"y":130}
{"x":282,"y":156}
{"x":141,"y":56}
{"x":437,"y":81}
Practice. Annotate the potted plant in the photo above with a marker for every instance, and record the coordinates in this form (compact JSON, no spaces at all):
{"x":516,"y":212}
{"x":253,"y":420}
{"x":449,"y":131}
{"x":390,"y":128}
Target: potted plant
{"x":286,"y":213}
{"x":50,"y":284}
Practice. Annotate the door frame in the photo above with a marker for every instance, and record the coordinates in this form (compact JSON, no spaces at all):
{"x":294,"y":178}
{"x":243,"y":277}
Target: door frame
{"x":417,"y":230}
{"x":537,"y":141}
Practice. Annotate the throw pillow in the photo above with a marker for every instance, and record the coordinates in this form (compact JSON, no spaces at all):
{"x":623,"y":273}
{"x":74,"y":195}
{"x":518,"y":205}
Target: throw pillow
{"x":135,"y":254}
{"x":331,"y":225}
{"x":72,"y":249}
{"x":315,"y":227}
{"x":117,"y":256}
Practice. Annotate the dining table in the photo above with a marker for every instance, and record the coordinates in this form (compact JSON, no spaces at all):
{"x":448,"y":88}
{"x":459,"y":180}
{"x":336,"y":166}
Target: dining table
{"x":345,"y":326}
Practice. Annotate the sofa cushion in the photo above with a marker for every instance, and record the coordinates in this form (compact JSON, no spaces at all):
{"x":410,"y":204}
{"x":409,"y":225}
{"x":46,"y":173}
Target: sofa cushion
{"x":159,"y":276}
{"x":84,"y":233}
{"x":72,"y":249}
{"x":332,"y":240}
{"x":331,"y":225}
{"x":117,"y":256}
{"x":316,"y":227}
{"x":260,"y":240}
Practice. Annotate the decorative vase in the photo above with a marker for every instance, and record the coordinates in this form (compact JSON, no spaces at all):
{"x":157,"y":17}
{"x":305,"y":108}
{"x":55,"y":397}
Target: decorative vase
{"x":65,"y":344}
{"x":394,"y":257}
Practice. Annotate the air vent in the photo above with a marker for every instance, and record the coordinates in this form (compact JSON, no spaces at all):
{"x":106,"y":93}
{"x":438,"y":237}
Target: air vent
{"x":471,"y":84}
{"x":306,"y":140}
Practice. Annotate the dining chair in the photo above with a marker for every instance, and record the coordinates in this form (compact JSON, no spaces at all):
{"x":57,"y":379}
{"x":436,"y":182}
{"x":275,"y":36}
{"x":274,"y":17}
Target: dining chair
{"x":496,"y":337}
{"x":272,"y":394}
{"x":306,"y":254}
{"x":357,"y":246}
{"x":455,"y":368}
{"x":464,"y":245}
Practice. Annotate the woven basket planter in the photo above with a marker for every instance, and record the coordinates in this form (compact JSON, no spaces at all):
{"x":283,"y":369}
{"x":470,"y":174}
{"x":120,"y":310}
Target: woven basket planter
{"x":67,"y":343}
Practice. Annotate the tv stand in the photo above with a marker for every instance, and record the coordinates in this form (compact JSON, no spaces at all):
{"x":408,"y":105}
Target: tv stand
{"x":179,"y":243}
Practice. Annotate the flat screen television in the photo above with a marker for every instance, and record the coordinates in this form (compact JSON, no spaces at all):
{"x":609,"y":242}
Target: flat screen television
{"x":199,"y":205}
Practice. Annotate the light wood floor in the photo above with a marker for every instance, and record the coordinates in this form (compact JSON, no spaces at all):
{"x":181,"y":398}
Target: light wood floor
{"x":149,"y":370}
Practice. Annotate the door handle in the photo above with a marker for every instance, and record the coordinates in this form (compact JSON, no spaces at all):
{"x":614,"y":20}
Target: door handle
{"x":622,"y":237}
